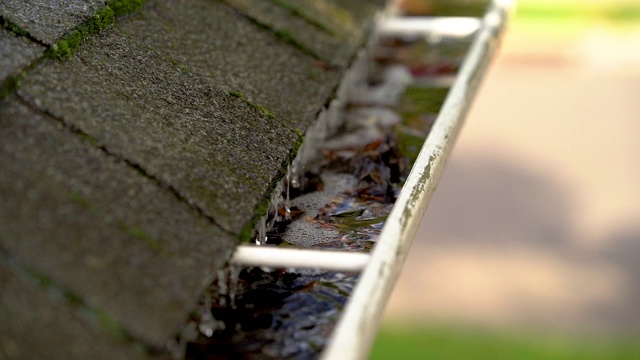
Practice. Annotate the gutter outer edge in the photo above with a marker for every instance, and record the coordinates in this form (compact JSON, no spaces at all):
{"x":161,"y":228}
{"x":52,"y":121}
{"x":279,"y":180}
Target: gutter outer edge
{"x":356,"y":330}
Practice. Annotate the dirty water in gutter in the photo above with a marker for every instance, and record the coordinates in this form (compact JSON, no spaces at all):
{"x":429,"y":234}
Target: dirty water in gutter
{"x":336,"y":196}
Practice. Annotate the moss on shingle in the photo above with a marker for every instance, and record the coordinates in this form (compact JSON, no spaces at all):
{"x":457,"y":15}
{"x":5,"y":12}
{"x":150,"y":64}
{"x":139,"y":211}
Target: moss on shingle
{"x":258,"y":107}
{"x":248,"y":231}
{"x":81,"y":200}
{"x":124,"y":7}
{"x":14,"y":28}
{"x":48,"y":283}
{"x":19,"y":54}
{"x":66,"y":46}
{"x":140,"y":234}
{"x":262,"y":109}
{"x":110,"y":325}
{"x":8,"y":86}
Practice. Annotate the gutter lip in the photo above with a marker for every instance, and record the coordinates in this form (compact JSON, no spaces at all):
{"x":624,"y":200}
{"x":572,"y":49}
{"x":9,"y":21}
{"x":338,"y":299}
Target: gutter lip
{"x":355,"y":332}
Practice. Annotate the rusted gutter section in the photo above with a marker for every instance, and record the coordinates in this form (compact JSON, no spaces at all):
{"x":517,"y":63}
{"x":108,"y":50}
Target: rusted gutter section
{"x":356,"y":330}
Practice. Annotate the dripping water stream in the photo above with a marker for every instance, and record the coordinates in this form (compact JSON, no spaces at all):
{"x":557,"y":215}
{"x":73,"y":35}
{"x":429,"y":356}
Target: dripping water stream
{"x":336,"y":196}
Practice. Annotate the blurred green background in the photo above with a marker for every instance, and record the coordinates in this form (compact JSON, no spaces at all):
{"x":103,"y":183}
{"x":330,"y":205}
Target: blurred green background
{"x":560,"y":281}
{"x":460,"y":342}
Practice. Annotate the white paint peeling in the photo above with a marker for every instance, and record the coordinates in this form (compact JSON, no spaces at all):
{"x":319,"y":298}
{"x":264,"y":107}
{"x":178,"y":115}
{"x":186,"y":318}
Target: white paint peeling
{"x":356,"y":330}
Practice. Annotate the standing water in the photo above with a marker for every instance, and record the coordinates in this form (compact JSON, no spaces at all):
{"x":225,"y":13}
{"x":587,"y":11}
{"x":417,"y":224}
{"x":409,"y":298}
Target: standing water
{"x":336,"y":196}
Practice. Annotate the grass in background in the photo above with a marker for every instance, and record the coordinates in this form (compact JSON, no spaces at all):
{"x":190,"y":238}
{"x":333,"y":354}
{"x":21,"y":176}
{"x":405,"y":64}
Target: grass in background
{"x":421,"y":342}
{"x":573,"y":16}
{"x":542,"y":18}
{"x":615,"y":11}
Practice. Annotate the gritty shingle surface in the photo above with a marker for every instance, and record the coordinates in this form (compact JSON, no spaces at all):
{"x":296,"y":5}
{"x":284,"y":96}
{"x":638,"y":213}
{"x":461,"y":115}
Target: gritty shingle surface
{"x":347,"y":19}
{"x":16,"y":52}
{"x":37,"y":324}
{"x":326,"y":44}
{"x":101,"y":229}
{"x":130,"y":169}
{"x":49,"y":20}
{"x":217,"y":152}
{"x":213,"y":40}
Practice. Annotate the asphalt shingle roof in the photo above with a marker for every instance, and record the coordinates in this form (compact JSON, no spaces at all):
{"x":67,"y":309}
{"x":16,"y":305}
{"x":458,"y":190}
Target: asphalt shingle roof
{"x":49,"y":20}
{"x":131,"y":168}
{"x":17,"y":53}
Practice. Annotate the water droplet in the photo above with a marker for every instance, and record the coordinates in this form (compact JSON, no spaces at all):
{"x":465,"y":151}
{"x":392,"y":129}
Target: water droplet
{"x":223,"y":289}
{"x":234,"y":277}
{"x":287,"y":199}
{"x":208,"y":324}
{"x":261,"y":237}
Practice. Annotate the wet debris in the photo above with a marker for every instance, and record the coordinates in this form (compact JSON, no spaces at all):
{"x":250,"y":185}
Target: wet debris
{"x":337,"y":199}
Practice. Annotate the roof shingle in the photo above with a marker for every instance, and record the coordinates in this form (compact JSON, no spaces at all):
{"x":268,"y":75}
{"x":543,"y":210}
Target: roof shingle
{"x":131,"y":169}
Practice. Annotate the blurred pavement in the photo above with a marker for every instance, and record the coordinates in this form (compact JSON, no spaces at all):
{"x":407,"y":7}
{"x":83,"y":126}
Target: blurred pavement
{"x":536,"y":221}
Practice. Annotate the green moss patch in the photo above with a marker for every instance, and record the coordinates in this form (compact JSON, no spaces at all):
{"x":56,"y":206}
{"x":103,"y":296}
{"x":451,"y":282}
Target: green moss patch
{"x":418,"y":108}
{"x":409,"y":144}
{"x":80,"y":200}
{"x":8,"y":86}
{"x":66,"y":46}
{"x":262,"y":109}
{"x":416,"y":100}
{"x":15,"y":28}
{"x":258,"y":107}
{"x":111,"y":325}
{"x":124,"y":7}
{"x":141,"y":235}
{"x":247,"y":232}
{"x":47,"y":283}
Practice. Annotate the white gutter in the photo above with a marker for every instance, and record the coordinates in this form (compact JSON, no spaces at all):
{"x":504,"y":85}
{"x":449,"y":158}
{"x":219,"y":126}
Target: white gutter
{"x":443,"y":26}
{"x":355,"y":332}
{"x":276,"y":257}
